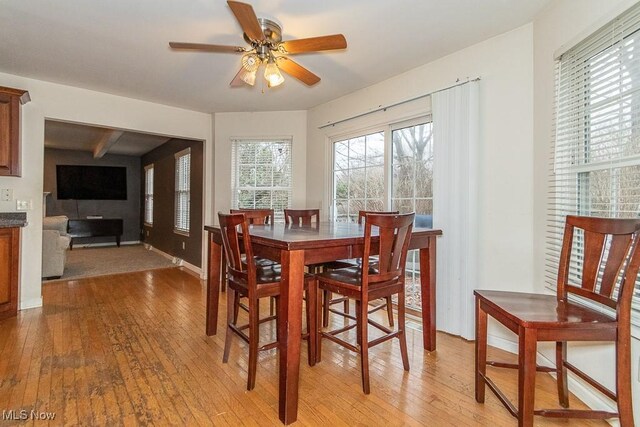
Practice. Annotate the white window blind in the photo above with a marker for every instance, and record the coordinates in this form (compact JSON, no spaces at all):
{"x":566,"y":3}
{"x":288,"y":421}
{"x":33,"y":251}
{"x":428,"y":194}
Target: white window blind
{"x":183,"y":192}
{"x":595,"y":168}
{"x":148,"y":194}
{"x":261,"y":175}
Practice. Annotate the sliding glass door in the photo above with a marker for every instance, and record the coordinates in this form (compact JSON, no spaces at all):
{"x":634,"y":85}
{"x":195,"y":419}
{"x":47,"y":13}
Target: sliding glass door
{"x":389,"y":169}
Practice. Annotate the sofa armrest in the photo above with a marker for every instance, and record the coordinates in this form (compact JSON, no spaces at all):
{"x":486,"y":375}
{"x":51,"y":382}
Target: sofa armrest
{"x":58,"y":223}
{"x":50,"y":240}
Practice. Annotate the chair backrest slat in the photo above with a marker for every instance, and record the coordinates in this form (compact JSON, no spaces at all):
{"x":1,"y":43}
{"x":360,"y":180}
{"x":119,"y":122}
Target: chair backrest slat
{"x":256,"y":216}
{"x":593,"y":249}
{"x":301,"y":217}
{"x":618,"y":249}
{"x":394,"y":232}
{"x":610,"y":256}
{"x":237,"y":248}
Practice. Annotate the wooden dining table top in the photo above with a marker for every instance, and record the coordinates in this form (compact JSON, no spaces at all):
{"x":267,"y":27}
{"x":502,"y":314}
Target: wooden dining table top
{"x":323,"y":234}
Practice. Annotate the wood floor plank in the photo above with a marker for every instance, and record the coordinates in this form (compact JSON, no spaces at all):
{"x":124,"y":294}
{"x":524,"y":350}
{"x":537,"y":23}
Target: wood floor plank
{"x":130,"y":349}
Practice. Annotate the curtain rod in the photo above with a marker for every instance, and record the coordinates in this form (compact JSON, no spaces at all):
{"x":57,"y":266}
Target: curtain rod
{"x":395,"y":104}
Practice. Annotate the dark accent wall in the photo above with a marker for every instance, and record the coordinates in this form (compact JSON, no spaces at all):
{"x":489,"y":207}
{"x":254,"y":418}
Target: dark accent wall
{"x":161,"y":234}
{"x":128,"y":210}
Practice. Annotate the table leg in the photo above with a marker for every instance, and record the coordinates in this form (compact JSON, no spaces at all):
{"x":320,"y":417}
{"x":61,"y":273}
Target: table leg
{"x":428,"y":293}
{"x":290,"y":329}
{"x":213,"y":286}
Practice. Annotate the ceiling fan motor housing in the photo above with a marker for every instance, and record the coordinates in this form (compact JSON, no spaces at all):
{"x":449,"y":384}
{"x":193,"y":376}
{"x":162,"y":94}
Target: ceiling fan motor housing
{"x":272,"y":32}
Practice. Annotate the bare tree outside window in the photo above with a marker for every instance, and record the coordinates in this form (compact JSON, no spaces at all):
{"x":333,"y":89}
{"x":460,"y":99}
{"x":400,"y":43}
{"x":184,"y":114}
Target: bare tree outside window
{"x":412,"y":190}
{"x":358,"y":176}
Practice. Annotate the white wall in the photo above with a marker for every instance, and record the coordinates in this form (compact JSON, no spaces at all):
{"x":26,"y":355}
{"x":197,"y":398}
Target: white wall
{"x":563,"y":23}
{"x":505,"y":215}
{"x":53,"y":101}
{"x":272,"y":124}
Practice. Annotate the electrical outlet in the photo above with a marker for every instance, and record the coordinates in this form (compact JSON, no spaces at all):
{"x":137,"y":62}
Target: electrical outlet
{"x":183,"y":246}
{"x":6,"y":194}
{"x":22,"y":205}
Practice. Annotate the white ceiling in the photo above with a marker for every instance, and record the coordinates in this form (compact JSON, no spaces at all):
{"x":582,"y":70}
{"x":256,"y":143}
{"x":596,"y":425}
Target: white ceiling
{"x":121,"y":46}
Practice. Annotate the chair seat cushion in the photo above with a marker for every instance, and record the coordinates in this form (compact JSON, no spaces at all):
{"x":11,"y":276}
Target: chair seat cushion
{"x":343,"y":263}
{"x":261,"y":262}
{"x":267,"y":279}
{"x":543,"y":311}
{"x":350,"y":276}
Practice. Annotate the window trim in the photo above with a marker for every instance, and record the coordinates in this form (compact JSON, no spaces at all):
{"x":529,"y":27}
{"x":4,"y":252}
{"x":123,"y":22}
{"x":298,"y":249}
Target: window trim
{"x":146,"y":169}
{"x":176,"y":230}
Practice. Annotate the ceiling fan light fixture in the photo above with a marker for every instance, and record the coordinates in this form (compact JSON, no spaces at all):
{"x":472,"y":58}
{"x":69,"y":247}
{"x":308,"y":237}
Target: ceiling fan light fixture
{"x":272,"y":74}
{"x":251,"y":62}
{"x":249,"y":77}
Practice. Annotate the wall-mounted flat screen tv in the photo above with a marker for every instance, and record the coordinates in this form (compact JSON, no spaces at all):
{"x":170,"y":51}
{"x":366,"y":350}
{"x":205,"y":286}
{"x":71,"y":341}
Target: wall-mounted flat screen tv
{"x":91,"y":182}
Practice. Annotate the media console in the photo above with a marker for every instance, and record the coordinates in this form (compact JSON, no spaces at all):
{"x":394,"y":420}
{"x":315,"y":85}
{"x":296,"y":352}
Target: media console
{"x":95,"y":228}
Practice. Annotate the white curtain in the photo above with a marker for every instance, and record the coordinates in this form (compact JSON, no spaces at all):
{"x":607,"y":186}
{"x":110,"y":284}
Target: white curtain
{"x":455,"y":207}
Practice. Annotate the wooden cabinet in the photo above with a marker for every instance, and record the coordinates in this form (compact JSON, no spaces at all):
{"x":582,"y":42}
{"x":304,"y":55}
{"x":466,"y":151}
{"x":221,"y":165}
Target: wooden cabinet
{"x":10,"y":101}
{"x":9,"y":266}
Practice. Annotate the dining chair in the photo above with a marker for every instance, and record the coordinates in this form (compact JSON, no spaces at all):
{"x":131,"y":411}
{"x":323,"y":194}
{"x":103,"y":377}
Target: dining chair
{"x":597,"y":272}
{"x":245,"y":279}
{"x":370,"y":281}
{"x":254,"y":217}
{"x":327,"y":297}
{"x":301,"y":217}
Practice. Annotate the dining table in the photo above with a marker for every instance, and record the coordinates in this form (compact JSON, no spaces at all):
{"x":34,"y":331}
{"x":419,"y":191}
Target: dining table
{"x":295,"y":247}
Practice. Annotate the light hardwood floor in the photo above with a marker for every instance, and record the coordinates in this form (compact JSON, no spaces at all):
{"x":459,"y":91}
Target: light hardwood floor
{"x":131,"y":349}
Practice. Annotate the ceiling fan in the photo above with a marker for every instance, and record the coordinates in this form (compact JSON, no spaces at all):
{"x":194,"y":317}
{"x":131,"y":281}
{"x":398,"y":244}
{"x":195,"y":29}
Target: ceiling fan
{"x":267,"y":47}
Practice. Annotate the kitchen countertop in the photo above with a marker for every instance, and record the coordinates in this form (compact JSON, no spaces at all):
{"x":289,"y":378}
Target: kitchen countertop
{"x":13,"y":219}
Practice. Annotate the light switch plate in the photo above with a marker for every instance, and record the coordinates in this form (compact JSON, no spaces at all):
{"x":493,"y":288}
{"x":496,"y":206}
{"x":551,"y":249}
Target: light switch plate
{"x":6,"y":194}
{"x":23,"y":205}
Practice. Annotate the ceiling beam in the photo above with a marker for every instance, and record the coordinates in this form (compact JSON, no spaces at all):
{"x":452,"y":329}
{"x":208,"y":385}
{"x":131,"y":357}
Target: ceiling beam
{"x":106,"y":142}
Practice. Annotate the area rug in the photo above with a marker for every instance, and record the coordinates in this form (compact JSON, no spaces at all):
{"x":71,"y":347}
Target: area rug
{"x":90,"y":262}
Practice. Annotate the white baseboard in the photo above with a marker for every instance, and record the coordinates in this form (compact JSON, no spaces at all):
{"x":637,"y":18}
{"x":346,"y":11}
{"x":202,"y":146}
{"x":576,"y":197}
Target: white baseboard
{"x":191,"y":267}
{"x":31,"y":303}
{"x":97,"y":245}
{"x":177,"y":261}
{"x":587,"y":394}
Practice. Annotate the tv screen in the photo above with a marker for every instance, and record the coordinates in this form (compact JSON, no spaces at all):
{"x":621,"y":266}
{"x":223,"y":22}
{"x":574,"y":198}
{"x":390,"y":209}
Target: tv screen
{"x":91,"y":182}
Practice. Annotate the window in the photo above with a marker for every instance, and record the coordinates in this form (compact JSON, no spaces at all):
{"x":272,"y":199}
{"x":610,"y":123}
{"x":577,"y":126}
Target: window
{"x":261,"y":177}
{"x":412,"y":164}
{"x":148,"y":194}
{"x":182,"y":215}
{"x":596,"y":162}
{"x":365,"y":177}
{"x":358,"y":176}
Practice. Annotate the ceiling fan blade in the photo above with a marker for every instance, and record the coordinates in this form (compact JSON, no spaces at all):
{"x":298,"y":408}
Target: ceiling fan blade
{"x":238,"y":79}
{"x":207,"y":47}
{"x":315,"y":44}
{"x":298,"y":71}
{"x":248,"y":20}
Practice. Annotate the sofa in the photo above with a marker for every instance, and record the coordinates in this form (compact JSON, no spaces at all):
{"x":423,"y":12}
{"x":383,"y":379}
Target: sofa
{"x":55,"y":243}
